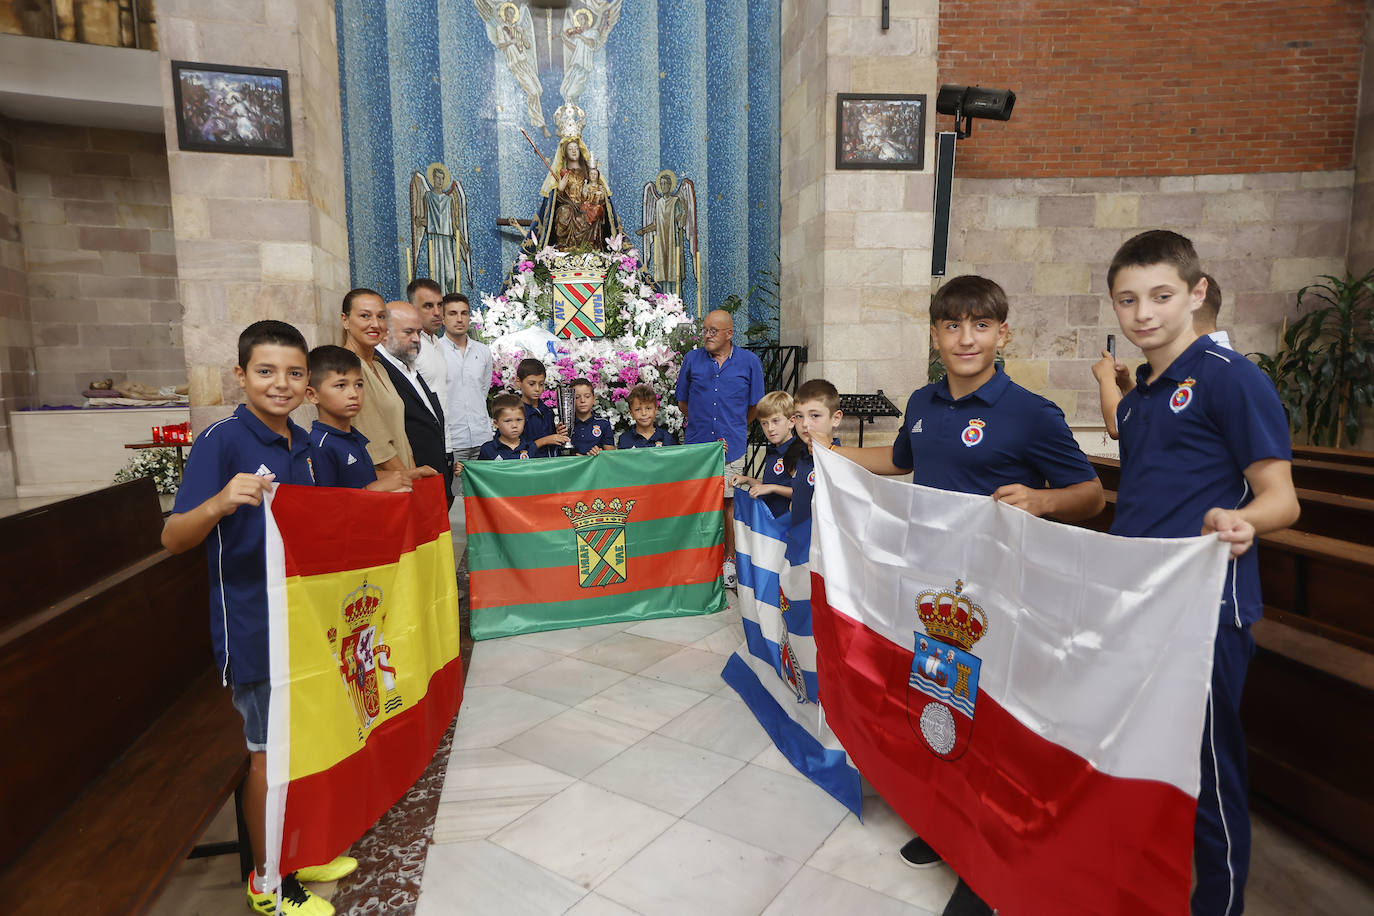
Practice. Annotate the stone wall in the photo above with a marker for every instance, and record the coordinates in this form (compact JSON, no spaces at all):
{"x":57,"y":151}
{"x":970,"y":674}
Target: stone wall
{"x":15,"y":336}
{"x":1048,"y":241}
{"x":96,"y":225}
{"x":257,"y":236}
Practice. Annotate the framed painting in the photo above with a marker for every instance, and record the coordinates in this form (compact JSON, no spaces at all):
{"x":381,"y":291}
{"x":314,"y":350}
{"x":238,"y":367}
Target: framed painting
{"x":227,"y":109}
{"x":880,"y":131}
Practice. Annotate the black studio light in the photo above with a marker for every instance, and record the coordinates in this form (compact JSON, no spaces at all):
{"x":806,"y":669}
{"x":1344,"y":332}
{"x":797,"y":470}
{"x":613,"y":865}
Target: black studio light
{"x":968,"y":102}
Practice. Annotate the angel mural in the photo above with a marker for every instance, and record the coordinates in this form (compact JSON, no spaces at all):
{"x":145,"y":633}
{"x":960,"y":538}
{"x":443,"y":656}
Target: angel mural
{"x":510,"y":29}
{"x":439,"y":227}
{"x":670,"y":222}
{"x":585,"y":31}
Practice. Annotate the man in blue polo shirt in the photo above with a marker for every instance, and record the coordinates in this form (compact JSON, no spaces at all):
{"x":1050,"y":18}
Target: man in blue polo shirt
{"x":977,"y":431}
{"x":1205,"y":448}
{"x":717,"y":390}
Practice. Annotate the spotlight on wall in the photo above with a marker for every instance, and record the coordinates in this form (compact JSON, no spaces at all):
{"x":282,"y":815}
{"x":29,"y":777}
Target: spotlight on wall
{"x":968,"y":102}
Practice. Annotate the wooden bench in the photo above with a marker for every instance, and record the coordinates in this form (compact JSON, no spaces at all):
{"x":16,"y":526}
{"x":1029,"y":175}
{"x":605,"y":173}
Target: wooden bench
{"x":123,"y":743}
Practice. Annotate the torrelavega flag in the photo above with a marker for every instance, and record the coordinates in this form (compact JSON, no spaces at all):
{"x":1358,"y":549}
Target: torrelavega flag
{"x":1028,"y":696}
{"x":363,"y":643}
{"x":570,"y":542}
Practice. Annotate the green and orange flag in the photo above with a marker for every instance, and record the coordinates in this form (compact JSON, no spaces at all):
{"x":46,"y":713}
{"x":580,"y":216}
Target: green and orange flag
{"x":363,"y":647}
{"x":570,"y":542}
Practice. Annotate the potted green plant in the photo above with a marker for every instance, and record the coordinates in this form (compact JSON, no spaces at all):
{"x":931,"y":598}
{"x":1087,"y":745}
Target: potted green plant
{"x":1324,"y":369}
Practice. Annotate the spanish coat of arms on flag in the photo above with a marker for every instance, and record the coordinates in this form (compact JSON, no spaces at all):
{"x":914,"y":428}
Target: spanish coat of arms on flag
{"x":579,"y":303}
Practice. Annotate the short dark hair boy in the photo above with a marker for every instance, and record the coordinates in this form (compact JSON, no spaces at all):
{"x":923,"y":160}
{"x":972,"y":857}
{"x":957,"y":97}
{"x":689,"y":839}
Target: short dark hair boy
{"x":510,"y":440}
{"x":645,"y":433}
{"x":590,"y":434}
{"x":542,"y":431}
{"x":338,"y":452}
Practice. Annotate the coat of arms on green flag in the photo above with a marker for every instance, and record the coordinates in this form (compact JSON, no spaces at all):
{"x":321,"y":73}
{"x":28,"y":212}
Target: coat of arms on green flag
{"x":579,"y":303}
{"x":600,"y":532}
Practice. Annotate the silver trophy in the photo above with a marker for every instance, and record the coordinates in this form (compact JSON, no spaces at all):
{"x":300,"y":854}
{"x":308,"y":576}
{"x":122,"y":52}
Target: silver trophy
{"x":565,"y":412}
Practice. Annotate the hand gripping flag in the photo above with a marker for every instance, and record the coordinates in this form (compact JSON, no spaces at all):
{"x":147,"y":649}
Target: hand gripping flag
{"x":363,"y":644}
{"x":1028,"y":696}
{"x":774,"y":671}
{"x":570,"y":542}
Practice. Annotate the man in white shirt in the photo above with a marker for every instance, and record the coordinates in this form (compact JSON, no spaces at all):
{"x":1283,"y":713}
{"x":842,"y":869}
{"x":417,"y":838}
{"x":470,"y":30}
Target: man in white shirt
{"x":425,"y":295}
{"x":468,"y":365}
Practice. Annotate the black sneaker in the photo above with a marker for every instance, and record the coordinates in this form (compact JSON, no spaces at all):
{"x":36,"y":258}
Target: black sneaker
{"x":964,"y":902}
{"x":918,"y":854}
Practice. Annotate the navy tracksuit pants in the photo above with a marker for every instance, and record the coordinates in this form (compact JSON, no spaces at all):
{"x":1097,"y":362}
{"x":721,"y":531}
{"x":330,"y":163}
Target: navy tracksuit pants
{"x":1221,"y":834}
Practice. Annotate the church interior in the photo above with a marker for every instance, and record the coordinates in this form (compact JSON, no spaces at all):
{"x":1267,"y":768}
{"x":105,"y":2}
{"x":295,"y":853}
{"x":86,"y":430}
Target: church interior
{"x":173,"y":170}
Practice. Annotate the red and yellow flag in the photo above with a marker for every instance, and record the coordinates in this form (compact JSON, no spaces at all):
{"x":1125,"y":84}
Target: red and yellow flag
{"x":363,"y":642}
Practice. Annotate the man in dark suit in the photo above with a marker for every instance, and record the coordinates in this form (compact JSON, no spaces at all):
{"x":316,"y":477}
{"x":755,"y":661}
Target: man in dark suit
{"x":424,"y":413}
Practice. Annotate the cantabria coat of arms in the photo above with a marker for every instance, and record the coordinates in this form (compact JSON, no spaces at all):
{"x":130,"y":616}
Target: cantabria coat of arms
{"x":943,"y":686}
{"x":363,"y":657}
{"x":600,"y":533}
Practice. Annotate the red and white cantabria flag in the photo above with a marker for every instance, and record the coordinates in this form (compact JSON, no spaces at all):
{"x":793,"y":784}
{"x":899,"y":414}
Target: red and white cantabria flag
{"x":1028,"y":696}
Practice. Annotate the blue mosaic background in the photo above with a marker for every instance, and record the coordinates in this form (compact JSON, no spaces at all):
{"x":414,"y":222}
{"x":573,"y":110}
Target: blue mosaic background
{"x":690,"y":85}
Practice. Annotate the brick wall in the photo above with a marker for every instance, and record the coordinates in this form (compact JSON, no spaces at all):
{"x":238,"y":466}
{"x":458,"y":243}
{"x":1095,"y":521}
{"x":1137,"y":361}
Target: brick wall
{"x":96,"y":225}
{"x":1361,"y":254}
{"x":15,"y":337}
{"x":1168,"y":87}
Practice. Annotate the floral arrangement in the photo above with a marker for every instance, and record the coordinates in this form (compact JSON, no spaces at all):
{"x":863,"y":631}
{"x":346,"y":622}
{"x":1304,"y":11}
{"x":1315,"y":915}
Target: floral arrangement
{"x":647,"y":332}
{"x":157,"y":463}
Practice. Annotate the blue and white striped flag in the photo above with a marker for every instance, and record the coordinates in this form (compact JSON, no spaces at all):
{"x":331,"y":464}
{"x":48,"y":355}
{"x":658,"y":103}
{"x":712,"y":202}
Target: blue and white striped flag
{"x":774,"y":671}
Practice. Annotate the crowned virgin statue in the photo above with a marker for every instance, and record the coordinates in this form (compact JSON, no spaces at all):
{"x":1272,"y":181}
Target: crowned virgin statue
{"x":576,"y":210}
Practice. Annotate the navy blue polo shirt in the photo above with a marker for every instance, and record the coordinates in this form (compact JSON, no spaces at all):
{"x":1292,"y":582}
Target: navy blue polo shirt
{"x":998,"y":435}
{"x":774,"y":471}
{"x":539,"y":422}
{"x":496,"y":450}
{"x":340,"y":458}
{"x":240,"y":444}
{"x":591,"y":432}
{"x":718,"y":397}
{"x":1186,"y":440}
{"x":631,"y":438}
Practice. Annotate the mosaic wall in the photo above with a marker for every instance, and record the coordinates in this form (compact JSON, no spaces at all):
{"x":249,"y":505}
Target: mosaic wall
{"x":687,"y":85}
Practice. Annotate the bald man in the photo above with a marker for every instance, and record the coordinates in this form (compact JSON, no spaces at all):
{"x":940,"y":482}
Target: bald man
{"x":717,"y":389}
{"x":424,"y":413}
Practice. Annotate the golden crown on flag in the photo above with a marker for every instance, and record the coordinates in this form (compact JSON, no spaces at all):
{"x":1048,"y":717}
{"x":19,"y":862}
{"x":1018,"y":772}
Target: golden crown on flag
{"x":951,"y":617}
{"x":599,"y":514}
{"x":360,"y":605}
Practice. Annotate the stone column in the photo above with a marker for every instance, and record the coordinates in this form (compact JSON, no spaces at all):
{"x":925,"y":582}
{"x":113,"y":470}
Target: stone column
{"x":856,"y":245}
{"x":257,"y":236}
{"x":16,"y":335}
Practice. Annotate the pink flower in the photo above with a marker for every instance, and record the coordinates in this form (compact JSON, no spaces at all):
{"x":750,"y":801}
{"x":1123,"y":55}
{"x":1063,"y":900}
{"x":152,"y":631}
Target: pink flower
{"x":495,"y":378}
{"x":501,"y":298}
{"x":548,"y":398}
{"x":628,"y":264}
{"x":619,"y":394}
{"x":525,"y":267}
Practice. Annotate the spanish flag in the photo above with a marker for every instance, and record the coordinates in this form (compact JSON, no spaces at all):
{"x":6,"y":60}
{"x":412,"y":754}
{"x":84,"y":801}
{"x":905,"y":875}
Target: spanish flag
{"x":570,"y":542}
{"x":363,"y":645}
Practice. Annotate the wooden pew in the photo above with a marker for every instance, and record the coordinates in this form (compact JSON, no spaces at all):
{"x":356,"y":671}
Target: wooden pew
{"x":1336,"y":455}
{"x":130,"y":745}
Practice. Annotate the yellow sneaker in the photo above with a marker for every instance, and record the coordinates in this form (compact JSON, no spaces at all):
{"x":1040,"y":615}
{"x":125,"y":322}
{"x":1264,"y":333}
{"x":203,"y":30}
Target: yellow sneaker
{"x":295,"y":899}
{"x":330,"y":871}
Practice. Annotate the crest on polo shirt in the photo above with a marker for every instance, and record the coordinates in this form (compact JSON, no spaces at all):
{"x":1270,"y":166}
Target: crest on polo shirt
{"x":973,"y":433}
{"x":596,"y":430}
{"x":779,"y":468}
{"x":1182,"y":396}
{"x":599,"y":530}
{"x":811,"y":477}
{"x":942,"y":687}
{"x":524,"y":453}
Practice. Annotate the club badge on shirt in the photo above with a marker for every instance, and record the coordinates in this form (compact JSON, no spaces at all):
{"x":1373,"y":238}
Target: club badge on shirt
{"x":778,"y":467}
{"x":973,"y":433}
{"x":1183,"y":395}
{"x":596,"y":430}
{"x":811,"y":478}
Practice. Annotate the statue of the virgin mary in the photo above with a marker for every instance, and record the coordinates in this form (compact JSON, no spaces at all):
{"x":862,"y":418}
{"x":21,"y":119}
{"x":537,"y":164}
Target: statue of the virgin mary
{"x":575,"y":210}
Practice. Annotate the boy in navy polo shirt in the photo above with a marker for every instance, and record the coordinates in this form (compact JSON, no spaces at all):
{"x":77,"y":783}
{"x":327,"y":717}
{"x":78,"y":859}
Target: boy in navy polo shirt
{"x":977,"y":431}
{"x":543,"y":433}
{"x":774,"y":412}
{"x":816,"y":413}
{"x":1205,"y":448}
{"x":590,"y":434}
{"x":231,"y":465}
{"x":508,"y":413}
{"x":644,"y":411}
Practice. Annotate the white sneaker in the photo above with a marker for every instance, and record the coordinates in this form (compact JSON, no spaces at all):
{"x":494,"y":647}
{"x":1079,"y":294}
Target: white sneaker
{"x":727,"y":572}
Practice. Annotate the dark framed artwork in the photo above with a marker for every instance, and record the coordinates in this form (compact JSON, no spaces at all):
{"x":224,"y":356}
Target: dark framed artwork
{"x":227,"y":109}
{"x":880,"y":131}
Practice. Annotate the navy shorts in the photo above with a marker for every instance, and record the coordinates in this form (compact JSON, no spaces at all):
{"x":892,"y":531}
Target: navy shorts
{"x":251,"y":702}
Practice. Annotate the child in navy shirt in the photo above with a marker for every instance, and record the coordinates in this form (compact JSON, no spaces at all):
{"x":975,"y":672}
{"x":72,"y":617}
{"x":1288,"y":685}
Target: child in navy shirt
{"x":775,"y":415}
{"x":338,"y":452}
{"x":977,"y":431}
{"x":1205,"y":447}
{"x":232,"y":464}
{"x":590,"y":434}
{"x":644,"y":411}
{"x":508,"y":413}
{"x":543,"y":433}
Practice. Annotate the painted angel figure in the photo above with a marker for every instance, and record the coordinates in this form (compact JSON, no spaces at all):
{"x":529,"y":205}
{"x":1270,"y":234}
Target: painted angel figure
{"x":670,"y":219}
{"x":439,"y":227}
{"x":585,"y":31}
{"x":510,"y":29}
